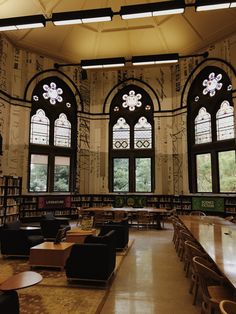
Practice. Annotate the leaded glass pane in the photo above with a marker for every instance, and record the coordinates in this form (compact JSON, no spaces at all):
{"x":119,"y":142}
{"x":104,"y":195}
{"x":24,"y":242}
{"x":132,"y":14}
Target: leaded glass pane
{"x":62,"y":131}
{"x":225,"y":121}
{"x":120,"y":175}
{"x":143,"y":174}
{"x":39,"y":128}
{"x":203,"y":127}
{"x":204,"y":178}
{"x":38,"y":173}
{"x":121,"y":135}
{"x":227,"y":171}
{"x":142,"y":134}
{"x":61,"y":174}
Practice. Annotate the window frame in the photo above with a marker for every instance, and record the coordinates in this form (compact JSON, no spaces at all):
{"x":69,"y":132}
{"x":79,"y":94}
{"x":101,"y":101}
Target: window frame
{"x":131,"y":118}
{"x":52,"y":112}
{"x":195,"y":101}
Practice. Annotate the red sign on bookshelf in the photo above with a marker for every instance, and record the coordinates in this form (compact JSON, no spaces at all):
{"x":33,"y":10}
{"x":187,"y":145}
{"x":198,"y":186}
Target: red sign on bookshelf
{"x":54,"y":202}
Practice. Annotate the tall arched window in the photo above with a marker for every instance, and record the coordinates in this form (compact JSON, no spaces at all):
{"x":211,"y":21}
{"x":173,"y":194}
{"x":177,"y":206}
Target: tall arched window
{"x":211,"y":133}
{"x":53,"y":129}
{"x":131,"y":141}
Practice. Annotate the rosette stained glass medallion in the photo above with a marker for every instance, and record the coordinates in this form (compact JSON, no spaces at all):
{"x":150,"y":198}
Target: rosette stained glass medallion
{"x":52,"y":93}
{"x":212,"y":84}
{"x":132,"y":100}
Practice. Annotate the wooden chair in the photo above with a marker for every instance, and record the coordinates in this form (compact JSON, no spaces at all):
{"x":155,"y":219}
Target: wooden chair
{"x":214,"y":286}
{"x":197,"y":213}
{"x":119,"y":215}
{"x":143,"y":218}
{"x":227,"y":307}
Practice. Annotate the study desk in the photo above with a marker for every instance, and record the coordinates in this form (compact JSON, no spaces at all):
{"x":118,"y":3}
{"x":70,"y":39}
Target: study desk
{"x":217,"y":237}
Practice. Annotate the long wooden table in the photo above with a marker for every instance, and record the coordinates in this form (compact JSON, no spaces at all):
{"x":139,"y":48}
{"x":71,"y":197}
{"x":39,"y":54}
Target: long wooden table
{"x":157,"y":212}
{"x":217,"y":237}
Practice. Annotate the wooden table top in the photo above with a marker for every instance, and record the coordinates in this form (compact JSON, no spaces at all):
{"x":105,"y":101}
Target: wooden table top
{"x":217,"y":237}
{"x":81,"y":231}
{"x":126,"y":209}
{"x":21,"y":280}
{"x":52,"y":246}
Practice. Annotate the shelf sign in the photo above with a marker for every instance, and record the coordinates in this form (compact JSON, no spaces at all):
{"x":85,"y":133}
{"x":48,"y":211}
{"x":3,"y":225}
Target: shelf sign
{"x":54,"y":202}
{"x":214,"y":204}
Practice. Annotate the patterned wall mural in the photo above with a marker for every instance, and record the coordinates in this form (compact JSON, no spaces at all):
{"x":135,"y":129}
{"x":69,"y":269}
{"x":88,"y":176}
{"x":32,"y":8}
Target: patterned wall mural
{"x":17,"y":67}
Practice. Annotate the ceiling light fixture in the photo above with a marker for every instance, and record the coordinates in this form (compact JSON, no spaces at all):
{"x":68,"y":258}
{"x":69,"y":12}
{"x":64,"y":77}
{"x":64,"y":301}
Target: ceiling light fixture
{"x":152,"y":9}
{"x":206,"y":5}
{"x":84,"y":16}
{"x":103,"y":63}
{"x":155,"y":59}
{"x":22,"y":22}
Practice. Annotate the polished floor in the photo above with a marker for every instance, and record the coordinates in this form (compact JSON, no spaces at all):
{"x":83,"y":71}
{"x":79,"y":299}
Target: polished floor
{"x":151,"y":279}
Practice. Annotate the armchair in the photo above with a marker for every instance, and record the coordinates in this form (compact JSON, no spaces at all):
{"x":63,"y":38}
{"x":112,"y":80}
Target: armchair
{"x":93,"y":260}
{"x":50,"y":226}
{"x":121,"y":229}
{"x":15,"y":241}
{"x":9,"y":302}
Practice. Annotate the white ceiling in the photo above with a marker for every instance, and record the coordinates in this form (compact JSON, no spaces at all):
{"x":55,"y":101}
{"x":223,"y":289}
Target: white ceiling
{"x":184,"y":34}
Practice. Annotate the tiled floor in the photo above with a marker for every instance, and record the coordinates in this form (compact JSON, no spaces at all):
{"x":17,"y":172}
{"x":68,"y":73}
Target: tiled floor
{"x":151,"y":279}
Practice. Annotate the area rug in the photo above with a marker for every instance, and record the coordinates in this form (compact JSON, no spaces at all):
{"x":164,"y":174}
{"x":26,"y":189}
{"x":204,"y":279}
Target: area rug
{"x":53,"y":295}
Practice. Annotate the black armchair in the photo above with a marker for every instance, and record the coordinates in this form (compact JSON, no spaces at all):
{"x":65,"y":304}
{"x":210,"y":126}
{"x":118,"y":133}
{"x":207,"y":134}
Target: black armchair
{"x":93,"y":260}
{"x":121,"y":229}
{"x":16,"y":241}
{"x":50,"y":226}
{"x":9,"y":302}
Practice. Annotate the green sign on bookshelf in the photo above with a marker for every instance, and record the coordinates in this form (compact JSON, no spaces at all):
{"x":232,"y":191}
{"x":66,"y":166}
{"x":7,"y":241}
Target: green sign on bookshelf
{"x":214,"y":204}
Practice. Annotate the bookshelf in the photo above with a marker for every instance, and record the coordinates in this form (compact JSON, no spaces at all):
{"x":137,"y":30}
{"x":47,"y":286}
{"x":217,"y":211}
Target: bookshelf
{"x":34,"y":206}
{"x":10,"y":193}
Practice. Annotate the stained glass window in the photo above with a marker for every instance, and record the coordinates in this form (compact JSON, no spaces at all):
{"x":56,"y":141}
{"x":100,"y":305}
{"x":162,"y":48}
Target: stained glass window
{"x":121,"y":135}
{"x":142,"y":134}
{"x":62,"y":131}
{"x":203,"y":127}
{"x":54,"y":124}
{"x":39,"y":128}
{"x":225,"y":121}
{"x":211,"y":132}
{"x":131,"y":150}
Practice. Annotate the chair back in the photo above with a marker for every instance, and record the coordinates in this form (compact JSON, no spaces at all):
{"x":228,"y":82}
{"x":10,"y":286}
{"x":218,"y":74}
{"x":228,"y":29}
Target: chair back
{"x":227,"y":307}
{"x":197,"y":213}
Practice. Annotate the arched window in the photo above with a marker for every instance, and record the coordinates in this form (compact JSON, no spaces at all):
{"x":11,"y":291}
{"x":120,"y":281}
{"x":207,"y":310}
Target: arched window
{"x":131,"y":141}
{"x":211,"y":135}
{"x":53,"y":129}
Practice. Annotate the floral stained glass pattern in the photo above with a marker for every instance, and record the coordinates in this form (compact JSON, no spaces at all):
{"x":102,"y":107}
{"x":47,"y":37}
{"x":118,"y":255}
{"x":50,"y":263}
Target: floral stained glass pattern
{"x":142,"y":134}
{"x":39,"y":128}
{"x":212,"y":84}
{"x":225,"y":121}
{"x":203,"y":127}
{"x":121,"y":134}
{"x":132,"y":100}
{"x":52,"y":93}
{"x":62,"y":131}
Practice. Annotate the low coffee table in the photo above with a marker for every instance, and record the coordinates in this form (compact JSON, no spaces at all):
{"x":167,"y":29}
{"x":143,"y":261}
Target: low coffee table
{"x":21,"y":280}
{"x":78,"y":235}
{"x":48,"y":254}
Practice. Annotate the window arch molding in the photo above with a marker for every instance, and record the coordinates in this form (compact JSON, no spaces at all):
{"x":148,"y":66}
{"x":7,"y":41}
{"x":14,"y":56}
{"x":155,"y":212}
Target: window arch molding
{"x":210,"y":89}
{"x":51,"y":162}
{"x":129,"y":105}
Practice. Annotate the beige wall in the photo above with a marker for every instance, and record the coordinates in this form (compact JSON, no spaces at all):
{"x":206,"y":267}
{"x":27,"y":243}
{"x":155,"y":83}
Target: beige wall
{"x":18,"y":67}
